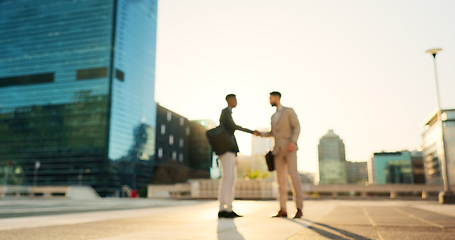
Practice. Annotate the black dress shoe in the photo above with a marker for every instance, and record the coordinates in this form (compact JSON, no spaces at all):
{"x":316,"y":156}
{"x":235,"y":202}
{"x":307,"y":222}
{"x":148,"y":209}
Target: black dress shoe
{"x":222,"y":214}
{"x":298,"y":214}
{"x":234,"y":214}
{"x":226,"y":214}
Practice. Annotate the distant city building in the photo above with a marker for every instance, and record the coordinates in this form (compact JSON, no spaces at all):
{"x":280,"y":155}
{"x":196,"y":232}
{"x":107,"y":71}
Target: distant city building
{"x":418,"y":168}
{"x":307,"y":177}
{"x":357,"y":172}
{"x":432,"y":147}
{"x":77,"y":86}
{"x":252,"y":167}
{"x":200,"y":157}
{"x":396,"y":167}
{"x":332,"y":160}
{"x":171,"y":156}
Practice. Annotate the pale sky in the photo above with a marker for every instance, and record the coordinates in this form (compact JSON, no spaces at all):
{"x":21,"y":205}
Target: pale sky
{"x":358,"y":67}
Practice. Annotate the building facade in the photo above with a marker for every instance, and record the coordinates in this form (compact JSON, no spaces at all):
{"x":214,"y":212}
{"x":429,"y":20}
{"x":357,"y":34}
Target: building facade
{"x":418,"y":167}
{"x":432,"y":147}
{"x":201,"y":159}
{"x":171,"y":156}
{"x":307,"y":177}
{"x":77,"y":92}
{"x":332,"y":160}
{"x":357,"y":172}
{"x":402,"y":167}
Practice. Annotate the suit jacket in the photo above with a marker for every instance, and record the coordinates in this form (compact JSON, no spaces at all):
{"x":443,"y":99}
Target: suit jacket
{"x":285,"y":129}
{"x":229,"y":125}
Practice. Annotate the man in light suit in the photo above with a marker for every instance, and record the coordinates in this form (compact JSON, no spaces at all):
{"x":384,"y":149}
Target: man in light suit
{"x":285,"y":130}
{"x":228,"y":160}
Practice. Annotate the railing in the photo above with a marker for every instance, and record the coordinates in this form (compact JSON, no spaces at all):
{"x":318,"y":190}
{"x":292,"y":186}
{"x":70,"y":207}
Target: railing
{"x":266,"y":189}
{"x":364,"y":191}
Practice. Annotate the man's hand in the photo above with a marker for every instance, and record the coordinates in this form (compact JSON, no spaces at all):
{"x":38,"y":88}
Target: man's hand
{"x":292,"y":146}
{"x":256,"y":133}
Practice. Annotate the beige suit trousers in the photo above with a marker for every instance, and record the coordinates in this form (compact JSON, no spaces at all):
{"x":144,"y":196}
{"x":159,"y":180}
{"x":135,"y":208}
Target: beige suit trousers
{"x":286,"y":163}
{"x":226,"y":189}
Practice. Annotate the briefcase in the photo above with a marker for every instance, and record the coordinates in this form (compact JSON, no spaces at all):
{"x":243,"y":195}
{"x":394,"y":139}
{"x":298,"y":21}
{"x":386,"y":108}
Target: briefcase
{"x":269,"y":159}
{"x":220,"y":140}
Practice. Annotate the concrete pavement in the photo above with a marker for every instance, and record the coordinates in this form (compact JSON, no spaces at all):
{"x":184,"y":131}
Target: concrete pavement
{"x":171,"y":219}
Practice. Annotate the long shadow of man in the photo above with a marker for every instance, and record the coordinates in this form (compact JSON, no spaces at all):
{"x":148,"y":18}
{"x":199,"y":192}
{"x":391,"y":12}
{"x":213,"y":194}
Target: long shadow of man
{"x":227,"y":230}
{"x":317,"y":227}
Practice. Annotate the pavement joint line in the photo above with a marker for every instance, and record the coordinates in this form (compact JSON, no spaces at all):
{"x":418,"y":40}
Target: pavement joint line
{"x":375,"y":226}
{"x":418,"y":218}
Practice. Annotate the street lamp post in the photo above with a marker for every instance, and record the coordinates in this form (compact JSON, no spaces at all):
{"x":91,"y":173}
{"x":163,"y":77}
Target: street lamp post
{"x":447,"y":195}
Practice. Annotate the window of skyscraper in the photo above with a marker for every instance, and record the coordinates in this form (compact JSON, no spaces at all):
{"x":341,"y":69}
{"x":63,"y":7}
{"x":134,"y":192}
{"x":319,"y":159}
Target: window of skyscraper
{"x":27,"y":79}
{"x":160,"y":152}
{"x":163,"y":129}
{"x":169,"y":116}
{"x":119,"y":75}
{"x":91,"y":73}
{"x":171,"y":140}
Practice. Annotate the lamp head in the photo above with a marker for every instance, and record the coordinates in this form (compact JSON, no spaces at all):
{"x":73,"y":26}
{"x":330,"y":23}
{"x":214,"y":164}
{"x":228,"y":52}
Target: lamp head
{"x":434,"y":51}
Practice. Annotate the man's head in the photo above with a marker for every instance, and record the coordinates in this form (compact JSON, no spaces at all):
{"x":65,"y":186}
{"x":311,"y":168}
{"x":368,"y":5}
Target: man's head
{"x":231,"y":100}
{"x":275,"y":98}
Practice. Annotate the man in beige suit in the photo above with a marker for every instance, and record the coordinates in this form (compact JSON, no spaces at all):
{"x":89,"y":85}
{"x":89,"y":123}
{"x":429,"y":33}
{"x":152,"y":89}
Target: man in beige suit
{"x":285,"y":130}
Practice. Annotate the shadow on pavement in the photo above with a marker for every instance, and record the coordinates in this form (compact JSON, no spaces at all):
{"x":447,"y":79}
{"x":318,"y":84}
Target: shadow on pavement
{"x":318,"y":228}
{"x":227,"y":230}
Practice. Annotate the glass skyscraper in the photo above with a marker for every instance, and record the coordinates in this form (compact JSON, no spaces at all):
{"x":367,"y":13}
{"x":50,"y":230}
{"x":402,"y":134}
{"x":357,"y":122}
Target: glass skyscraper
{"x":332,"y":160}
{"x":77,"y":81}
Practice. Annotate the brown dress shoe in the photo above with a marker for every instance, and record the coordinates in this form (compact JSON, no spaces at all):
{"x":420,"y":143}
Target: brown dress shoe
{"x":281,"y":213}
{"x":298,"y":214}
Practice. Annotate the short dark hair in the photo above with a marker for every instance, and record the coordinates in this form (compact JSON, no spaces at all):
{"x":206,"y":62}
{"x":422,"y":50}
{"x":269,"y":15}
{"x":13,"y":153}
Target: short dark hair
{"x":275,"y":93}
{"x":230,"y":96}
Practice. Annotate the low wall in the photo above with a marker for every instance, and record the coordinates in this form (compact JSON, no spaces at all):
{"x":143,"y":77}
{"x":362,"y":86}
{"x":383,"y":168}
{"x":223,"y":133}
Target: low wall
{"x":72,"y":192}
{"x":208,"y":189}
{"x":266,"y":189}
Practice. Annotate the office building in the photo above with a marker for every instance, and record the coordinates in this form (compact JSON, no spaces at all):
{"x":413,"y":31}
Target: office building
{"x":171,"y":156}
{"x":403,"y":167}
{"x":332,"y":160}
{"x":253,"y":167}
{"x":307,"y":177}
{"x":201,"y":158}
{"x":77,"y":83}
{"x":418,"y":167}
{"x":357,"y":172}
{"x":432,"y":147}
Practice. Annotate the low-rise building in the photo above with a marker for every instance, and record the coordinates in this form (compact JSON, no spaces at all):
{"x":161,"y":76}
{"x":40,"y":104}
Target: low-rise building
{"x":433,"y":150}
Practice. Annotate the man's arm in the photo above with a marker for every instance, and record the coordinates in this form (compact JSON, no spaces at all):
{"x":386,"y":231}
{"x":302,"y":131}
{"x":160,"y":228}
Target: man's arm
{"x":244,"y":129}
{"x":229,"y":124}
{"x":295,"y":125}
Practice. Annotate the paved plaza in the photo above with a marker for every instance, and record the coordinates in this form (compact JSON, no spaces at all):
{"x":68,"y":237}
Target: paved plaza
{"x":115,"y":219}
